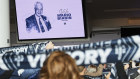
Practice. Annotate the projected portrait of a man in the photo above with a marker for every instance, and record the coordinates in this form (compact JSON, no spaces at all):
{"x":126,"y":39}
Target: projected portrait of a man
{"x":38,"y":22}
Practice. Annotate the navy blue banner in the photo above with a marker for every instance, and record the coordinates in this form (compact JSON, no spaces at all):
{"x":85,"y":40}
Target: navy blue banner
{"x":17,"y":56}
{"x":33,"y":56}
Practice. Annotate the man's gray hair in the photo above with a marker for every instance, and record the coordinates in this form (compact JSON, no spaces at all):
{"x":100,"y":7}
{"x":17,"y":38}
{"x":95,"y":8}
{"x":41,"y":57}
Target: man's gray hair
{"x":38,"y":3}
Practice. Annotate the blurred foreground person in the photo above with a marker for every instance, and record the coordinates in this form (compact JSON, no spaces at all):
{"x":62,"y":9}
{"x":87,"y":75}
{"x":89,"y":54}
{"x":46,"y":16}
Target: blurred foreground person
{"x":59,"y":65}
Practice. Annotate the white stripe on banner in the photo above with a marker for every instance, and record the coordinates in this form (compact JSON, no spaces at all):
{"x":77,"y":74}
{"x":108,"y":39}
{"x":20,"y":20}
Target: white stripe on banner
{"x":136,"y":39}
{"x":12,"y":61}
{"x":128,"y":51}
{"x":134,"y":50}
{"x":7,"y":62}
{"x":2,"y":65}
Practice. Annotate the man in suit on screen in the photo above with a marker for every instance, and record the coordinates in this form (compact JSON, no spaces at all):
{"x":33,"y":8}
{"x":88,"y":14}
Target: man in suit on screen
{"x":37,"y":21}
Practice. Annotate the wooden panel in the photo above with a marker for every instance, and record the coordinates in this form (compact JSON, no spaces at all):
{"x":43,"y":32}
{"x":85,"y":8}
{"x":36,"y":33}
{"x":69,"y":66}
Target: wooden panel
{"x":134,"y":21}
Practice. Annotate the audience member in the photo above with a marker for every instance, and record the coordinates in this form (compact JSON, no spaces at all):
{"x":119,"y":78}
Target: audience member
{"x":120,"y":70}
{"x":108,"y":75}
{"x":81,"y":70}
{"x":92,"y":70}
{"x":133,"y":70}
{"x":59,"y":65}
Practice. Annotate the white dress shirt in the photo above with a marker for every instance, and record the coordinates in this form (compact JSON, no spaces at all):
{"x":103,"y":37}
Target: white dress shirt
{"x":42,"y":21}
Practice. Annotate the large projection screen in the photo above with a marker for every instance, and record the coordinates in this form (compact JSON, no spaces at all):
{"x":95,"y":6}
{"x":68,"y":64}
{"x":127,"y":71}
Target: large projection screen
{"x":50,"y":19}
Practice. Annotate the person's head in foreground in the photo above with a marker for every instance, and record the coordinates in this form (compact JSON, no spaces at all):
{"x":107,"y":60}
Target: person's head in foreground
{"x":59,"y":65}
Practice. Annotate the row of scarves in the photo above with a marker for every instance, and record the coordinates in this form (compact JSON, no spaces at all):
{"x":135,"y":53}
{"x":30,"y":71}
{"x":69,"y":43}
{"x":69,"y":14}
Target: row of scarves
{"x":33,"y":55}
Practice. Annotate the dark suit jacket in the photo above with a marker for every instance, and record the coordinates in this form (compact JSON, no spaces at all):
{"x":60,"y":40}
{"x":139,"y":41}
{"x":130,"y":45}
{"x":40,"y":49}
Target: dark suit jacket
{"x":31,"y":23}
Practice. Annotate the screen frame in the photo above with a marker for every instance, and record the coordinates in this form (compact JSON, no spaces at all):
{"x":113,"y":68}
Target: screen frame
{"x":63,"y":38}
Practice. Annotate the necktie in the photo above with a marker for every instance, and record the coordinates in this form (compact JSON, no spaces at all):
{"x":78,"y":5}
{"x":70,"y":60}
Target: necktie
{"x":41,"y":26}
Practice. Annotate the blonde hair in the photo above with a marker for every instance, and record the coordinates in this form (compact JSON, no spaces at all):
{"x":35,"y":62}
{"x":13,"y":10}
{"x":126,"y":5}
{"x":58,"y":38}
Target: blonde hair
{"x":59,"y":65}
